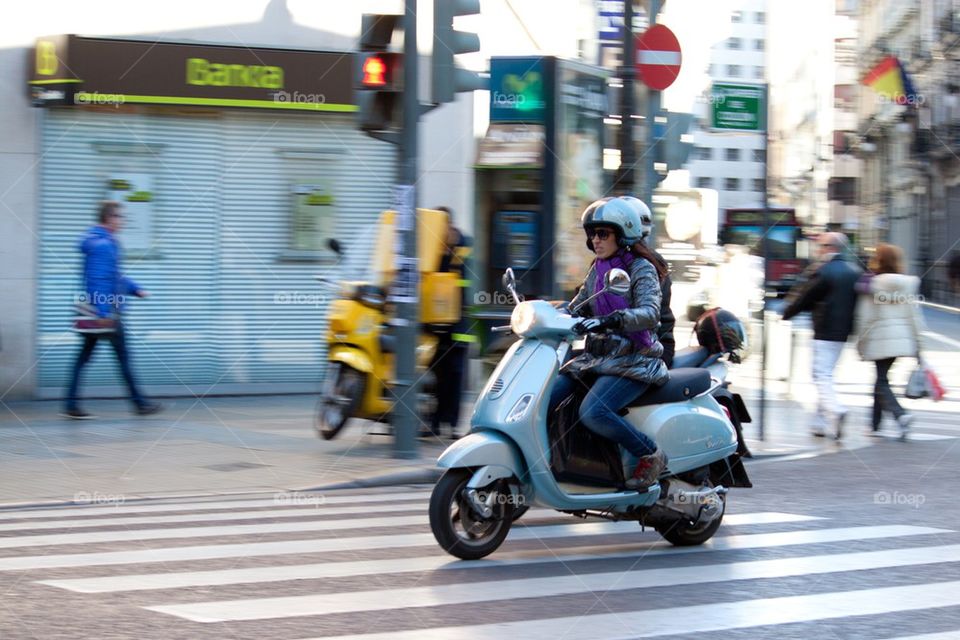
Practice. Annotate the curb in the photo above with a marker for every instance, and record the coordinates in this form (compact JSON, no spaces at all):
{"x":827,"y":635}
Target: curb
{"x":425,"y":475}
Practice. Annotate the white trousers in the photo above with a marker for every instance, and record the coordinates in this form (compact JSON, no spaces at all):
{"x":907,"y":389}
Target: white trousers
{"x":826,"y":353}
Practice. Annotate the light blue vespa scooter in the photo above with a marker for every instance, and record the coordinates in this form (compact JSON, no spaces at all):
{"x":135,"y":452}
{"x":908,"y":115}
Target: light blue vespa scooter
{"x":514,"y":458}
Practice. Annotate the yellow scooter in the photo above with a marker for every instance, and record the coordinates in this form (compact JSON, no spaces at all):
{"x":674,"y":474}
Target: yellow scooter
{"x":361,"y":347}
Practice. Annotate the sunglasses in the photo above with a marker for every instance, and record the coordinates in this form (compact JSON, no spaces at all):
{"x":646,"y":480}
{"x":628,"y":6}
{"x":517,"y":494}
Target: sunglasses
{"x":603,"y":234}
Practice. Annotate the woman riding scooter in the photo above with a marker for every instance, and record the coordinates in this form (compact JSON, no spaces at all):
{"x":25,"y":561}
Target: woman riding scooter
{"x":621,"y":363}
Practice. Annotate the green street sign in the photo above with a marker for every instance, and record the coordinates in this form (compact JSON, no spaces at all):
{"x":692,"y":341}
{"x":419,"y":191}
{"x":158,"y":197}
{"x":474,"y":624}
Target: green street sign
{"x":738,"y":107}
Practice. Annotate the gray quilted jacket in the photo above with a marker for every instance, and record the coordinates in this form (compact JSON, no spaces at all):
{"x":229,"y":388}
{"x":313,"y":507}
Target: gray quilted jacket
{"x":614,"y":354}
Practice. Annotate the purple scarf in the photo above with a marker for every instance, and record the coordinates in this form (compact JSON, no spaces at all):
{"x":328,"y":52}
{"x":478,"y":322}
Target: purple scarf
{"x":607,"y":302}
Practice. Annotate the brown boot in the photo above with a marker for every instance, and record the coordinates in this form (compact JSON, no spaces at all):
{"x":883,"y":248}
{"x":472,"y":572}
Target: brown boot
{"x":647,"y":471}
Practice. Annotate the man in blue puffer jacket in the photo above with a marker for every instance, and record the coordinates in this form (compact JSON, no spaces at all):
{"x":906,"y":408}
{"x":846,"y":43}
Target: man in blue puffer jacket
{"x":106,"y":291}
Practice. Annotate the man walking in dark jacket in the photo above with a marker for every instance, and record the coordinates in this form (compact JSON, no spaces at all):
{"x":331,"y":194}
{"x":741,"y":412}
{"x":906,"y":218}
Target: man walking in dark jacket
{"x":829,"y":293}
{"x":105,"y":290}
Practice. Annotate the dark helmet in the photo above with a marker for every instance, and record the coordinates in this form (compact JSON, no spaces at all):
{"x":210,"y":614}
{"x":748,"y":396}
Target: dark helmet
{"x":616,"y":213}
{"x":722,"y":332}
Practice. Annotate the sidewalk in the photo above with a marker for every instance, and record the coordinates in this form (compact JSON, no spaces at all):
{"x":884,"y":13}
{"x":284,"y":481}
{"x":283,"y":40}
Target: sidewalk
{"x":232,"y":445}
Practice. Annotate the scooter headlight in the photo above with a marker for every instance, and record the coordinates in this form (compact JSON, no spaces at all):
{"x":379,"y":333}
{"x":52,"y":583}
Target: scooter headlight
{"x":523,"y":318}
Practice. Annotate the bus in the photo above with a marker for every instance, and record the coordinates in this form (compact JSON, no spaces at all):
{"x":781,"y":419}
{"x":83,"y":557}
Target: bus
{"x":745,"y":227}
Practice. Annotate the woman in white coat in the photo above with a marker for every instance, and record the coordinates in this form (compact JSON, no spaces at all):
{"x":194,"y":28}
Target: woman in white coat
{"x":889,"y":325}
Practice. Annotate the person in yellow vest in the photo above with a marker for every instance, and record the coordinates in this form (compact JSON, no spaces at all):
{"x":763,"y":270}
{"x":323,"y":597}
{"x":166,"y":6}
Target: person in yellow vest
{"x":449,"y":362}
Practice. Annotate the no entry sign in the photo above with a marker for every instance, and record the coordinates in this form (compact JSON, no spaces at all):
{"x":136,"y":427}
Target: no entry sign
{"x":658,"y":57}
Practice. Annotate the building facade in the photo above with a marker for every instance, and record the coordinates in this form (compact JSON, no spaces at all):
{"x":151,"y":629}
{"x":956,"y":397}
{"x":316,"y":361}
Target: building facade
{"x":733,"y":164}
{"x":230,"y":198}
{"x":910,"y":194}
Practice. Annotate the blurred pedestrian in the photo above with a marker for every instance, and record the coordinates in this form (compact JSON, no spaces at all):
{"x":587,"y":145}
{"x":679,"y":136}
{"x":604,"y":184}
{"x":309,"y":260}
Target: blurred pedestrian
{"x":828,"y":292}
{"x":889,"y":325}
{"x":450,"y":360}
{"x":953,"y":271}
{"x":106,"y":290}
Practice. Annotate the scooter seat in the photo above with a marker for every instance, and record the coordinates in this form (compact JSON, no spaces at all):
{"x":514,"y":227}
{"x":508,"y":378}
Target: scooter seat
{"x":682,"y":385}
{"x":689,"y":357}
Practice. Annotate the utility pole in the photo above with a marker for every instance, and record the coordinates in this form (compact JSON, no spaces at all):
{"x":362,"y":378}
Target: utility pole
{"x":405,"y":204}
{"x":623,"y":185}
{"x":653,"y":109}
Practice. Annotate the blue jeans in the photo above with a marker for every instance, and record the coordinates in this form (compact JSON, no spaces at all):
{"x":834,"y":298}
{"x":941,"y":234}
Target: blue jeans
{"x":119,"y":344}
{"x":598,"y":411}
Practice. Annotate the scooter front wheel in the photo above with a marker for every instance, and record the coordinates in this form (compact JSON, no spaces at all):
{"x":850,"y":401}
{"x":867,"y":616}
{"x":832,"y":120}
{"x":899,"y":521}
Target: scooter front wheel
{"x":340,"y":400}
{"x":457,"y":526}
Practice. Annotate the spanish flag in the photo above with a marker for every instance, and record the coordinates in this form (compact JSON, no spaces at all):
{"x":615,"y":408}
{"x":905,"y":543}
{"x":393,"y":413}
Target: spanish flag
{"x":890,"y":79}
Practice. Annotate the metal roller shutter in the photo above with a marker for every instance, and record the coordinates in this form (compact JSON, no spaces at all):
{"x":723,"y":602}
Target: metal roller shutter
{"x":219,"y":266}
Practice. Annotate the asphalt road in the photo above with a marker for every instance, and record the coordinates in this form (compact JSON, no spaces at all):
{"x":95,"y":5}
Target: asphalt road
{"x":861,"y":544}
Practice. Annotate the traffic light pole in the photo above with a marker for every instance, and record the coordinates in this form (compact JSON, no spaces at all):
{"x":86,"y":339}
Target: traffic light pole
{"x":624,"y":183}
{"x":653,"y":109}
{"x":406,"y":422}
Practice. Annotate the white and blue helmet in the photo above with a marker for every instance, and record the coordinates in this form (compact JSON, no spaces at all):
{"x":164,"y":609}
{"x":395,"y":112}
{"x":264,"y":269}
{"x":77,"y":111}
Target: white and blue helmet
{"x":617,"y":213}
{"x":646,"y":218}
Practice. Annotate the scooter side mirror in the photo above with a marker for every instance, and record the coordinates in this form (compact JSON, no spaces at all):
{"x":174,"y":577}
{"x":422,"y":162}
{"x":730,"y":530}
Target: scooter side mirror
{"x":617,"y":281}
{"x":510,"y":284}
{"x":509,"y":280}
{"x":334,"y":245}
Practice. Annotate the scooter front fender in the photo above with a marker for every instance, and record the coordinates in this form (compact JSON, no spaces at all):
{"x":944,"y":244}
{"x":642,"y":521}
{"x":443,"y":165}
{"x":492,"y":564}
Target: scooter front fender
{"x":481,"y":449}
{"x":352,"y":357}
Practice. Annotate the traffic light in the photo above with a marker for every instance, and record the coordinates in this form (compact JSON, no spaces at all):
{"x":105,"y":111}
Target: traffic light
{"x":671,"y":149}
{"x":448,"y":79}
{"x":379,"y":74}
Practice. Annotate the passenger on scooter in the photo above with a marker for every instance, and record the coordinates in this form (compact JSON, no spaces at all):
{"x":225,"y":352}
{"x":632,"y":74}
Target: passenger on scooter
{"x":622,"y":362}
{"x":667,"y":319}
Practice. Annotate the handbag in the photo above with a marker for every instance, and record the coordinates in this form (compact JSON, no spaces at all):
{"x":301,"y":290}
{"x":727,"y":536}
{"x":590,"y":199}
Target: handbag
{"x":87,"y":321}
{"x":934,"y":389}
{"x":917,"y":384}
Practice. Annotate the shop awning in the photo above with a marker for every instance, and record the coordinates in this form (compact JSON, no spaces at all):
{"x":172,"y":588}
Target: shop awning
{"x":511,"y":145}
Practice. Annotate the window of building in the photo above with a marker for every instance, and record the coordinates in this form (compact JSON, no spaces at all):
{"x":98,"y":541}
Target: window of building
{"x":733,"y":154}
{"x":758,"y":184}
{"x":734,"y":43}
{"x":704,"y":182}
{"x":759,"y":45}
{"x":704,"y":153}
{"x":736,"y":16}
{"x":731,"y":184}
{"x":761,"y":17}
{"x":758,"y":73}
{"x":759,"y":155}
{"x":733,"y":70}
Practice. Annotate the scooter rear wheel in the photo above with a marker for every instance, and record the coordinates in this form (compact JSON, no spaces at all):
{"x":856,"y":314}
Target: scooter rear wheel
{"x":682,"y":533}
{"x":340,"y":402}
{"x":459,"y":530}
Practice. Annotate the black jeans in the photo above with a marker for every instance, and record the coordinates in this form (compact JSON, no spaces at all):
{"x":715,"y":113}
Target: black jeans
{"x":883,"y":397}
{"x":118,"y":342}
{"x":448,"y":367}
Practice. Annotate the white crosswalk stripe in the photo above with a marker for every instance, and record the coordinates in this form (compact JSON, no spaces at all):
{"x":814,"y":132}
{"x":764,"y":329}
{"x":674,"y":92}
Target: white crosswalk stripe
{"x":546,"y":557}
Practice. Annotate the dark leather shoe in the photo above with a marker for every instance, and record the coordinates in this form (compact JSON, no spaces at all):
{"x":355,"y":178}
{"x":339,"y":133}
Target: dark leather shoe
{"x":77,"y":414}
{"x":149,"y":409}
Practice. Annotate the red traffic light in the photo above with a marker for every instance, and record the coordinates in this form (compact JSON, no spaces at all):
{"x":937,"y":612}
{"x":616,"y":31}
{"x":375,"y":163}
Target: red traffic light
{"x":374,"y":72}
